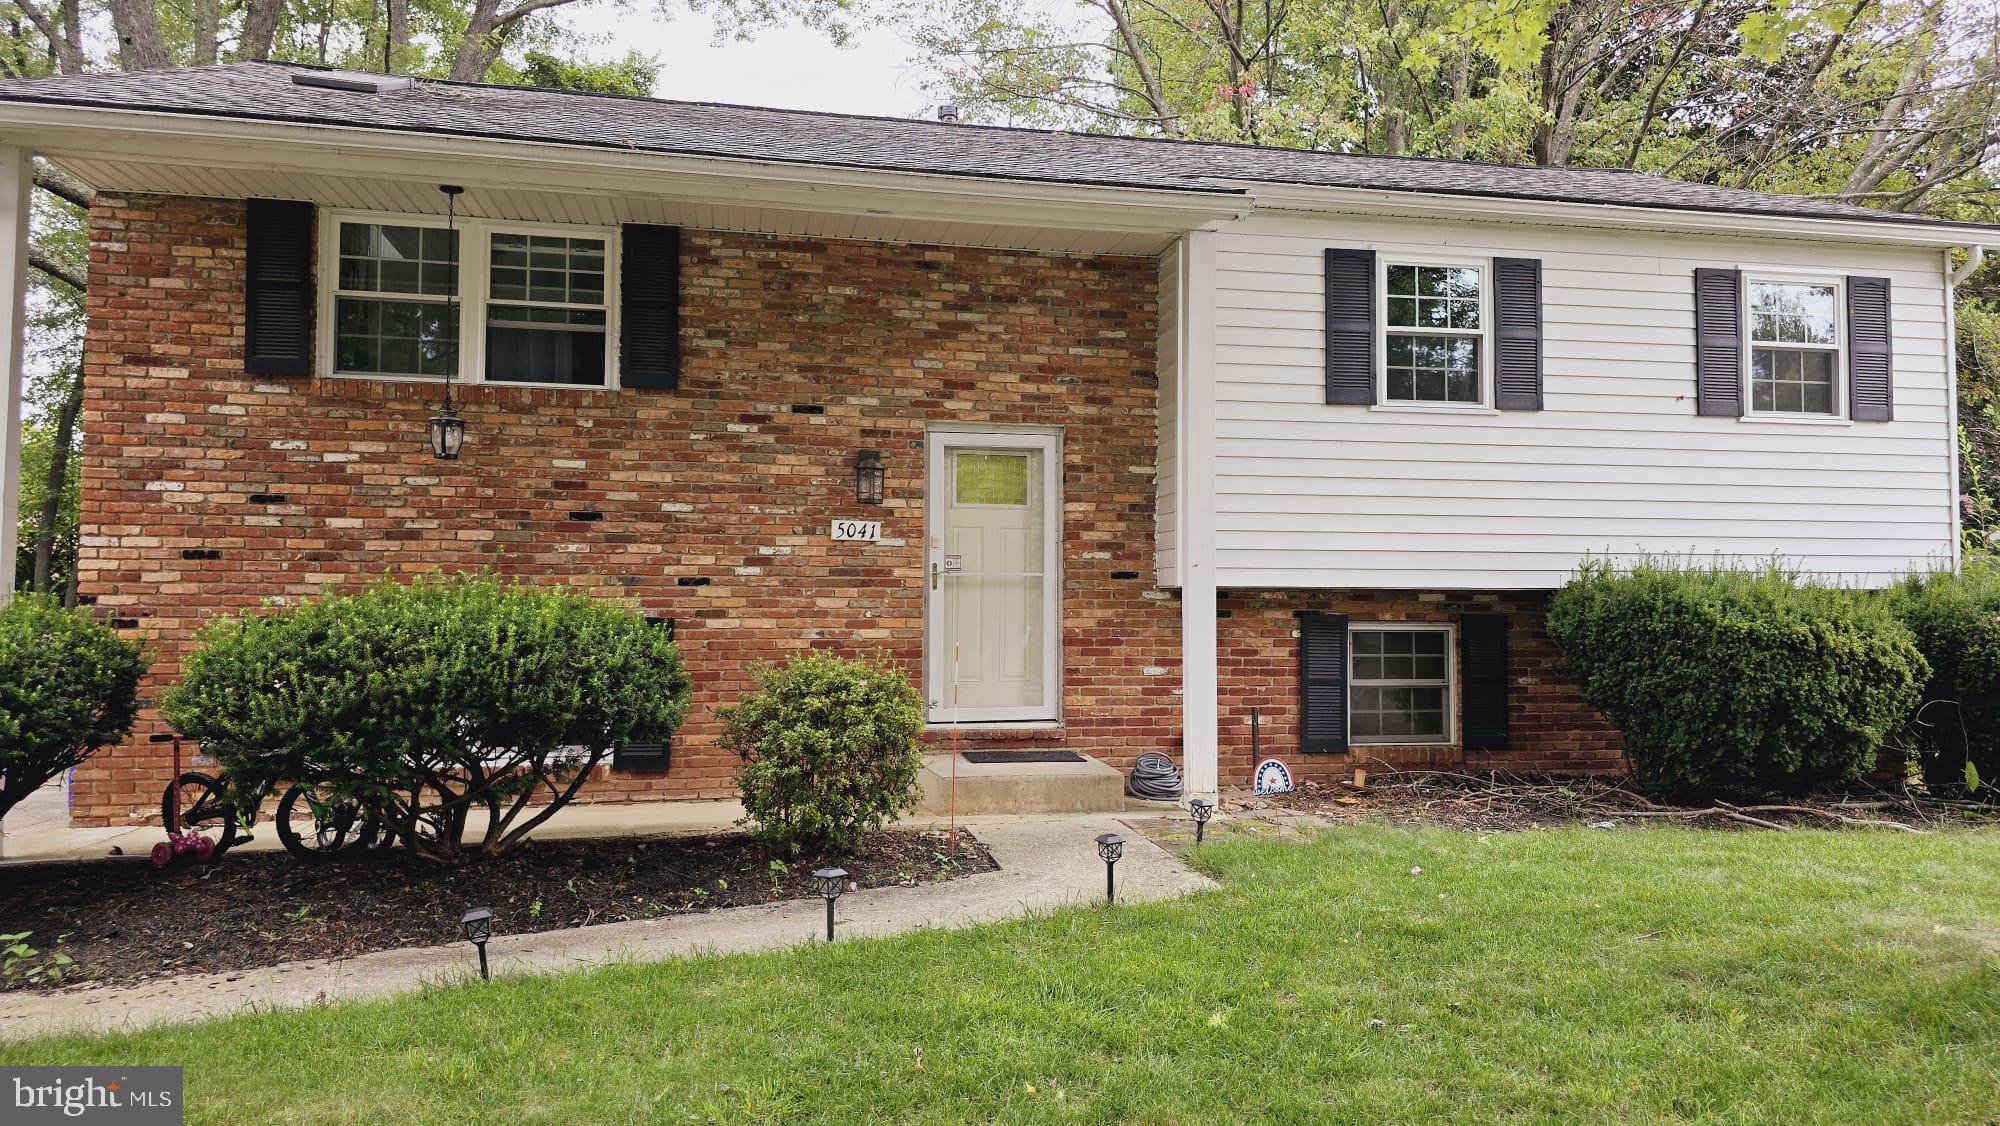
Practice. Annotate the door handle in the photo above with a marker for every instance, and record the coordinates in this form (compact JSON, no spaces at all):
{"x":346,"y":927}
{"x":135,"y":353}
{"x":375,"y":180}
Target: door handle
{"x":935,"y":569}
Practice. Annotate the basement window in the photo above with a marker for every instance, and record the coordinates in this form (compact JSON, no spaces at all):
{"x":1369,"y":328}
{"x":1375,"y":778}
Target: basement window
{"x":1399,"y":684}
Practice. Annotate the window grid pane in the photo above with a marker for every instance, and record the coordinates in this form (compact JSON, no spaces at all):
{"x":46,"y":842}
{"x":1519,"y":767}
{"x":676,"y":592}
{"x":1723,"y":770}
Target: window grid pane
{"x":1788,"y":313}
{"x":536,"y":343}
{"x":388,"y":337}
{"x":548,"y":268}
{"x":1791,"y":380}
{"x":1399,"y":689}
{"x":1439,"y":361}
{"x":380,"y":258}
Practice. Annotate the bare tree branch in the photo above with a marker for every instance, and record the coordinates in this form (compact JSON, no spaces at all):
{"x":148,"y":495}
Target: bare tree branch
{"x":62,"y":185}
{"x":68,"y":273}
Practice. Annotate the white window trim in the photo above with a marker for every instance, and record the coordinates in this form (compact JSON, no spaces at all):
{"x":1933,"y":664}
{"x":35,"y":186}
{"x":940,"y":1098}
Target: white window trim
{"x":1839,"y":349}
{"x":1451,"y":687}
{"x":1384,"y":260}
{"x":473,"y":283}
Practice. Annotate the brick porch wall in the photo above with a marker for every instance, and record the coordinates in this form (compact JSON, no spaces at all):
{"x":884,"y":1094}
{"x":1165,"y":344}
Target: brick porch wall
{"x":715,"y":499}
{"x":1552,"y":729}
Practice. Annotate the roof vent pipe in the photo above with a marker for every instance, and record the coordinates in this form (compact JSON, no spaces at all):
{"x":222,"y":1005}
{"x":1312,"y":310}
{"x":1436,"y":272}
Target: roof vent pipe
{"x":948,"y":114}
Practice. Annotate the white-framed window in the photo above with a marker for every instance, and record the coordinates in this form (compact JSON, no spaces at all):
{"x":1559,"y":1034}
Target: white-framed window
{"x":1796,"y":336}
{"x":1400,"y":683}
{"x":1434,"y":338}
{"x":536,"y":302}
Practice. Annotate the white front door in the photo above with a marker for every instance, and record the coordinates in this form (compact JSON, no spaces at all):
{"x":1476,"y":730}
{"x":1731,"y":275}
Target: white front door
{"x":993,"y":647}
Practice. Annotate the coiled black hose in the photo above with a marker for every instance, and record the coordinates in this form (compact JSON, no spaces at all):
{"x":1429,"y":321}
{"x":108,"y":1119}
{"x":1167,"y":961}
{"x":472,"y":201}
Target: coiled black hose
{"x":1154,"y":778}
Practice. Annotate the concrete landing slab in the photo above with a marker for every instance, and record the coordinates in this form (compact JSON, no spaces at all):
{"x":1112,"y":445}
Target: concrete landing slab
{"x":1046,"y":863}
{"x":1088,"y":786}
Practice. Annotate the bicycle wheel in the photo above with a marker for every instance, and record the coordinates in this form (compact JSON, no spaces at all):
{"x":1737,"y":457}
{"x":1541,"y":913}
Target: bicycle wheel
{"x":314,"y":826}
{"x":199,"y":803}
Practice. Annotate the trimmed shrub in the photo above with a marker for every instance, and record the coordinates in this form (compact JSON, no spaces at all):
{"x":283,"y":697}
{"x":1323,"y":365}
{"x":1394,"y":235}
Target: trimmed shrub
{"x":830,"y":750}
{"x":1956,"y":622}
{"x":1736,"y":682}
{"x":69,"y":687}
{"x":429,"y":700}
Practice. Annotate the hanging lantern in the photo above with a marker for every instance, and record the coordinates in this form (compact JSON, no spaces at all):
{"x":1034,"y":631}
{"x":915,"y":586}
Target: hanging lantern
{"x":447,"y":429}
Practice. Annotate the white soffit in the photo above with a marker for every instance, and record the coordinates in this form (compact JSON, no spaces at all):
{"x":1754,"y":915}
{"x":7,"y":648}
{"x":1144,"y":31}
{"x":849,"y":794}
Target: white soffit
{"x":601,"y":209}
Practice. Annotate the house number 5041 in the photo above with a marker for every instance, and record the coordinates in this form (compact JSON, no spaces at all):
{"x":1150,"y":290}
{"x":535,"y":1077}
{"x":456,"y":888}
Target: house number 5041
{"x":868,"y":531}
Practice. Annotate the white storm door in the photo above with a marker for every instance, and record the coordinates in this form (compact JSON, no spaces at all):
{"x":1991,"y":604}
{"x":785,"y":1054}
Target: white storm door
{"x":993,"y":636}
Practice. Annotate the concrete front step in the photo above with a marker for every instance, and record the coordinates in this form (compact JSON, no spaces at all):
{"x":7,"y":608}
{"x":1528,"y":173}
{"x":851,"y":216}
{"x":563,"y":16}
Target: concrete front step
{"x":1089,"y":786}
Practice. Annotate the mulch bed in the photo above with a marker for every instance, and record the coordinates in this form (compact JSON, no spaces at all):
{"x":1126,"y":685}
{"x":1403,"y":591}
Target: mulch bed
{"x":1444,"y":799}
{"x":126,"y":922}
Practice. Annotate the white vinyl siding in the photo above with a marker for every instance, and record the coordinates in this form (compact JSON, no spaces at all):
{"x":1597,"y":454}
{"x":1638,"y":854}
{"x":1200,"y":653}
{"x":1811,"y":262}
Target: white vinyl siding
{"x":1311,"y":495}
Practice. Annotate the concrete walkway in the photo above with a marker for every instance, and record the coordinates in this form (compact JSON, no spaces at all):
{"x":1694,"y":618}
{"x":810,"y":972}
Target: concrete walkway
{"x":38,"y":829}
{"x":1046,"y":862}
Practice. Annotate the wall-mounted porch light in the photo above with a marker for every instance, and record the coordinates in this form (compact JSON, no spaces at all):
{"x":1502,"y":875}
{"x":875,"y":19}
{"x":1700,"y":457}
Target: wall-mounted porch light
{"x":447,"y":429}
{"x":869,"y":477}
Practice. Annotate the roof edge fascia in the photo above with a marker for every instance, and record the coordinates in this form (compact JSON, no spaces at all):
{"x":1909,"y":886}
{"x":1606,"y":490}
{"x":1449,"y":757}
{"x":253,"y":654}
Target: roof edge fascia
{"x":1513,"y":209}
{"x":105,"y":133}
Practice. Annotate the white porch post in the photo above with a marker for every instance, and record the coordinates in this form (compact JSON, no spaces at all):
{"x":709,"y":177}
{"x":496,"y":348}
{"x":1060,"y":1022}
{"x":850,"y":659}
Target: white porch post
{"x":16,"y":185}
{"x":16,"y":188}
{"x":1196,"y":402}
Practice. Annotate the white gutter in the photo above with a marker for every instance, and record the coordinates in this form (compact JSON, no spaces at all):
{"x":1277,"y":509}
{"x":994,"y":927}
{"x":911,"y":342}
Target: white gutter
{"x":1376,"y":202}
{"x":1975,"y":254}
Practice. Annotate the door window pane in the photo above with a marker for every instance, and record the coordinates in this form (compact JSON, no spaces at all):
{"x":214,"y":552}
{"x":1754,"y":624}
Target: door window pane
{"x":989,"y":478}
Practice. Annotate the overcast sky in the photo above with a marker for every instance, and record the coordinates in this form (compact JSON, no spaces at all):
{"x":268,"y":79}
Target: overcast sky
{"x":792,"y":68}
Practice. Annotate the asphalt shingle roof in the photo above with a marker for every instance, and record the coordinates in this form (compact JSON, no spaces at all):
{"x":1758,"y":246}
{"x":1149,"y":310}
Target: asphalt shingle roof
{"x":265,"y":91}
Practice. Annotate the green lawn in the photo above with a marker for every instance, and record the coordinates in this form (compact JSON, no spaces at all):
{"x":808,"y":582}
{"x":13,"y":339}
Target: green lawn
{"x":1572,"y":975}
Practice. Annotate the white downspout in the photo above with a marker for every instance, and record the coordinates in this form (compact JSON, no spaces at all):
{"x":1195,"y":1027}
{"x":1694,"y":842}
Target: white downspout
{"x":1975,"y":255}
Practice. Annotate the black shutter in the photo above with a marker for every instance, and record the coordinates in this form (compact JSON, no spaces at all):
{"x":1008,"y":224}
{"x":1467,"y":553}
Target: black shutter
{"x":1483,"y":680}
{"x":1870,"y":367}
{"x":1350,"y":326}
{"x":278,"y":287}
{"x":649,"y":310}
{"x":1517,"y":362}
{"x":1718,"y":341}
{"x":1323,"y":684}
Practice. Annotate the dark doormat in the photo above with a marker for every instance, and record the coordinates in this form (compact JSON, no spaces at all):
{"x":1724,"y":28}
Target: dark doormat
{"x":1021,"y":756}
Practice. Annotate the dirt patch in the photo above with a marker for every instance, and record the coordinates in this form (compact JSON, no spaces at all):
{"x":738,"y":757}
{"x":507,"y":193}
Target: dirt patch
{"x":1467,"y":802}
{"x":124,"y":921}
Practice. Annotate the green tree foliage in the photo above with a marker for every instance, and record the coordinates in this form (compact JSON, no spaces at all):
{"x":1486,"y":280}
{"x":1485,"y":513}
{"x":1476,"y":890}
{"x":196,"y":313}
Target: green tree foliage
{"x":1956,"y":622}
{"x":1978,"y":320}
{"x":1895,"y":104}
{"x":830,"y":750}
{"x":431,"y":700}
{"x":68,"y":687}
{"x":1728,"y":682}
{"x":632,"y":76}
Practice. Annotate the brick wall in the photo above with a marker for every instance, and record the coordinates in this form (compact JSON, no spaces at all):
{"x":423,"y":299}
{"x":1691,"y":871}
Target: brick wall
{"x":1551,"y":729}
{"x":715,"y":498}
